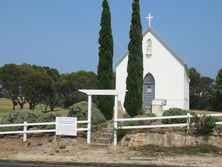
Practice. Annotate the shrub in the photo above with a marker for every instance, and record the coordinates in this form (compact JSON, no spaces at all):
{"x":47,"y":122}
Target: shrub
{"x":149,"y":114}
{"x":120,"y":133}
{"x":176,"y":111}
{"x":134,"y":123}
{"x":30,"y":116}
{"x":79,"y":110}
{"x":204,"y":125}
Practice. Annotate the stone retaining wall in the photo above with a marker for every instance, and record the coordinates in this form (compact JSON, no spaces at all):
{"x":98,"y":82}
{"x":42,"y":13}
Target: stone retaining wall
{"x":170,"y":139}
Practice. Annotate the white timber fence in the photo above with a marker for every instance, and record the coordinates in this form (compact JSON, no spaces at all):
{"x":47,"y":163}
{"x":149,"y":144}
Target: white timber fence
{"x":187,"y":124}
{"x":26,"y":131}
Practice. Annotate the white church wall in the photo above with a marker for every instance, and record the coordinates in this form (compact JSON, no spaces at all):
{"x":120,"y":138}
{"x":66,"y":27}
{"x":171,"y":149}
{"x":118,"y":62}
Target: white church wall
{"x":121,"y":74}
{"x":170,"y":82}
{"x":167,"y":71}
{"x":186,"y":91}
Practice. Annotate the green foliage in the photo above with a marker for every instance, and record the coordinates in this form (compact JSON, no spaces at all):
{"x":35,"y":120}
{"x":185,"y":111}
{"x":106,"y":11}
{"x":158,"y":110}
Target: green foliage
{"x":79,"y":110}
{"x":26,"y":83}
{"x":34,"y":86}
{"x":10,"y":79}
{"x":135,"y":123}
{"x":52,"y":92}
{"x":120,"y":133}
{"x":176,"y":111}
{"x":134,"y":81}
{"x":219,"y":79}
{"x":105,"y":65}
{"x":217,"y":100}
{"x":30,"y":116}
{"x":201,"y":91}
{"x":70,"y":84}
{"x":204,"y":125}
{"x":150,"y":114}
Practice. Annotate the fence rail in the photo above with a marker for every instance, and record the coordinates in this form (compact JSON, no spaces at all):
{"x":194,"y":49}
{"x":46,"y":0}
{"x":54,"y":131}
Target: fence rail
{"x":153,"y":118}
{"x":25,"y":130}
{"x":154,"y":126}
{"x":187,"y":124}
{"x":25,"y":125}
{"x":188,"y":116}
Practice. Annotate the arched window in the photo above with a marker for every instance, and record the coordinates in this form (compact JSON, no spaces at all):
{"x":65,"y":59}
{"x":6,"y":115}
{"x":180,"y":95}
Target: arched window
{"x":148,"y":90}
{"x":149,"y":79}
{"x":148,"y":48}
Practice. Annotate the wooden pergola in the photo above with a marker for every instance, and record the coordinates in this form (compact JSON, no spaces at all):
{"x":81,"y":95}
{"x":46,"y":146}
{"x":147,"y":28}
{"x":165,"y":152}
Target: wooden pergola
{"x":101,"y":92}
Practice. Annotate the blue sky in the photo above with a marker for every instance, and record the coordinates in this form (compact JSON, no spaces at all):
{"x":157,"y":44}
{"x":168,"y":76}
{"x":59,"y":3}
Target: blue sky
{"x":63,"y":34}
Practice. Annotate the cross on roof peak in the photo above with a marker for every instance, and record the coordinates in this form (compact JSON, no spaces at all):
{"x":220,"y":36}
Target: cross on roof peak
{"x":149,"y":17}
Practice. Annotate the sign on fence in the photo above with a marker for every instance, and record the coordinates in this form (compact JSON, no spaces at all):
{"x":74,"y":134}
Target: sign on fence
{"x":66,"y":126}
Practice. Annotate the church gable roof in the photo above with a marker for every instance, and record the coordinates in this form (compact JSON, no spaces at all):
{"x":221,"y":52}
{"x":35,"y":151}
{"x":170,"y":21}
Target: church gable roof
{"x":149,"y":29}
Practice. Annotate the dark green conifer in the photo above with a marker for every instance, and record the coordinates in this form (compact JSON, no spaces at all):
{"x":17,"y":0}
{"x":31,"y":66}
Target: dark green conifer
{"x":134,"y":81}
{"x":105,"y":65}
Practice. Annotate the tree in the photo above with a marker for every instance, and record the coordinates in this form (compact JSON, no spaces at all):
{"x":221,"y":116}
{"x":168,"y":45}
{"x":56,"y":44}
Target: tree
{"x":34,"y":85}
{"x":206,"y":93}
{"x":134,"y":81}
{"x":217,"y":102}
{"x":10,"y":78}
{"x":219,"y":79}
{"x":201,"y":91}
{"x":194,"y":88}
{"x":52,"y":93}
{"x":70,"y":84}
{"x":105,"y":69}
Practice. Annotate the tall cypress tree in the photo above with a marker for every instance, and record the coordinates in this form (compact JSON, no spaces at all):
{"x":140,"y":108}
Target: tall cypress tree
{"x":134,"y":81}
{"x":105,"y":66}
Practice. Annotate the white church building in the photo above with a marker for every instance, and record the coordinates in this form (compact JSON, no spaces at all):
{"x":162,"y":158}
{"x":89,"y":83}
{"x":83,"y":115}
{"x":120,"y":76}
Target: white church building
{"x":165,"y":73}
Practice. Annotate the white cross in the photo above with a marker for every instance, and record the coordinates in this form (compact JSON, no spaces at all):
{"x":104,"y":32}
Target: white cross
{"x":149,"y":19}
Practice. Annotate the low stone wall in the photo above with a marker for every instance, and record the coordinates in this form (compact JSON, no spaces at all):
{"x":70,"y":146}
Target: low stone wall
{"x":170,"y":139}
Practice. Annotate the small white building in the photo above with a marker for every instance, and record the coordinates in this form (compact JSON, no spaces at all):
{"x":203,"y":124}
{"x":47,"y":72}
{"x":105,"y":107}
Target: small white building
{"x":165,"y":74}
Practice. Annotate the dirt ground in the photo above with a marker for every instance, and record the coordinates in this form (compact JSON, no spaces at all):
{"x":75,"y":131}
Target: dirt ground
{"x":53,"y":149}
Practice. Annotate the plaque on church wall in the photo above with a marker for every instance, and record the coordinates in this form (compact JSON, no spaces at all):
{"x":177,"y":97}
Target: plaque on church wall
{"x":66,"y":126}
{"x":149,"y":90}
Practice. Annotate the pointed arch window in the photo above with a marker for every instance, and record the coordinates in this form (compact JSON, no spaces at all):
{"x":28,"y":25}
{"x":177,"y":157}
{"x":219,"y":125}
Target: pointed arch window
{"x":148,"y":48}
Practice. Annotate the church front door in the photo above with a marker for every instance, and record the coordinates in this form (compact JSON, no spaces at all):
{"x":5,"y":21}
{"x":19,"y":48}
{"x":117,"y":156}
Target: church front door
{"x":148,"y":90}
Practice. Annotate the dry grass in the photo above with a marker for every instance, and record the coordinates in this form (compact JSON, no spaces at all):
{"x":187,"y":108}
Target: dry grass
{"x":205,"y":112}
{"x":5,"y":102}
{"x":186,"y":150}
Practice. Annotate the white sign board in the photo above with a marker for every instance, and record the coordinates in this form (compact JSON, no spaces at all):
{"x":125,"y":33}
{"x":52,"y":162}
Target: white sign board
{"x":66,"y":126}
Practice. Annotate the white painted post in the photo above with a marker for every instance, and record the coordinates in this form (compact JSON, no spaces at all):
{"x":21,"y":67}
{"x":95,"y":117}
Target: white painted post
{"x":89,"y":118}
{"x":188,"y":122}
{"x":25,"y":131}
{"x":115,"y":118}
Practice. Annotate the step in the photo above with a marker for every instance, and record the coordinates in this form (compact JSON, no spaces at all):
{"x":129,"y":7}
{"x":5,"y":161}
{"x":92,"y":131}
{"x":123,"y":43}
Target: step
{"x":106,"y":135}
{"x":111,"y":121}
{"x":110,"y":126}
{"x":101,"y":145}
{"x":101,"y":140}
{"x":108,"y":130}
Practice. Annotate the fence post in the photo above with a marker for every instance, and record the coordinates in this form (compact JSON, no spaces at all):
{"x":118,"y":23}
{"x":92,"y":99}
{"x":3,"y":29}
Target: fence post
{"x":188,"y":122}
{"x":115,"y":119}
{"x":25,"y":131}
{"x":89,"y":119}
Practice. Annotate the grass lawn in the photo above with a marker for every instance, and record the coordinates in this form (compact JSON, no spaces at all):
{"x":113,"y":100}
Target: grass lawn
{"x":6,"y":107}
{"x":4,"y":111}
{"x":188,"y":150}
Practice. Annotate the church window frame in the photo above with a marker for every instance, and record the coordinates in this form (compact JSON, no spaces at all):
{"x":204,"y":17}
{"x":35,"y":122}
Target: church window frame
{"x":148,"y":48}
